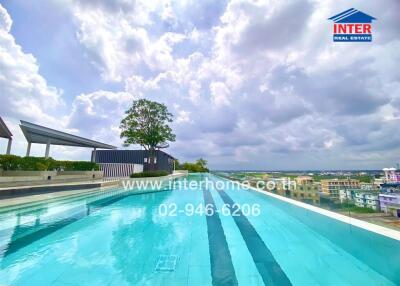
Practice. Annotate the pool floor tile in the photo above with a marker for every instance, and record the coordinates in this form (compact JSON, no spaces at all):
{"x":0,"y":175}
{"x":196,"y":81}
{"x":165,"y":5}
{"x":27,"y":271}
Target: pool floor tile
{"x":253,"y":280}
{"x":199,"y":276}
{"x":88,"y":278}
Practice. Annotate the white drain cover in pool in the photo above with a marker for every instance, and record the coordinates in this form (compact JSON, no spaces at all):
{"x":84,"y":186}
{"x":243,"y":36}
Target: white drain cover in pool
{"x":166,"y":263}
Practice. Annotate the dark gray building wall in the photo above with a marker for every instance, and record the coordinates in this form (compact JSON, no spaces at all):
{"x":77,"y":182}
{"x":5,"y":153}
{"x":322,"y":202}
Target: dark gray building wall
{"x":164,"y":161}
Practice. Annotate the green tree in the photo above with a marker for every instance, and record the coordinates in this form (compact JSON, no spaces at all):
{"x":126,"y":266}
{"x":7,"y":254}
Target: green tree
{"x":146,"y":124}
{"x":201,"y":163}
{"x":199,"y":166}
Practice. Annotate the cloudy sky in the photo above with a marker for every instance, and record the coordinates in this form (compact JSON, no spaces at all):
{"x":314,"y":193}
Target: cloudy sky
{"x":252,"y":84}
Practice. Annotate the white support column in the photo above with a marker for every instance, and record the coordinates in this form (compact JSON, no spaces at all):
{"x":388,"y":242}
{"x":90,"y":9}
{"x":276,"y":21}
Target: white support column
{"x":47,"y":149}
{"x":94,"y":155}
{"x":9,"y":146}
{"x":28,"y":149}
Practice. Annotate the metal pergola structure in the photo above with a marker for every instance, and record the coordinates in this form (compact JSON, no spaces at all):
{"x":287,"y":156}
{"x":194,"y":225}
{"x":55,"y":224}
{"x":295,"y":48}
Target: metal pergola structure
{"x":6,"y":133}
{"x":43,"y":135}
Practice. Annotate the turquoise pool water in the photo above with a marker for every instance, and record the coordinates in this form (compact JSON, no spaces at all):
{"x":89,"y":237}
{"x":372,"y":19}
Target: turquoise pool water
{"x":114,"y":237}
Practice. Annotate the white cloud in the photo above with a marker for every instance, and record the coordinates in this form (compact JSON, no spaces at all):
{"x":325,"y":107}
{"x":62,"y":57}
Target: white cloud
{"x":220,"y":94}
{"x":119,"y":43}
{"x":194,"y":91}
{"x":24,"y":92}
{"x":5,"y":20}
{"x":113,"y":44}
{"x":98,"y":114}
{"x":183,"y":116}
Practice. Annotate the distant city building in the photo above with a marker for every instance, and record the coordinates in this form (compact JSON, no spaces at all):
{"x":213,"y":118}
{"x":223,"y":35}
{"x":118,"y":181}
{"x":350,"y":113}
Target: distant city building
{"x":378,"y":182}
{"x":361,"y":198}
{"x":302,"y":188}
{"x":283,"y":185}
{"x":346,"y":195}
{"x":390,"y":203}
{"x":367,"y":199}
{"x":368,"y":186}
{"x":390,"y":188}
{"x":302,"y":180}
{"x":332,"y":187}
{"x":391,"y":176}
{"x":308,"y":192}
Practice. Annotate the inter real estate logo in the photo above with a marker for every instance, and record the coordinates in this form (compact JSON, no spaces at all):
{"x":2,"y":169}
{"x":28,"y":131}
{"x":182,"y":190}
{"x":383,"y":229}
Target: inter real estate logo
{"x":352,"y":26}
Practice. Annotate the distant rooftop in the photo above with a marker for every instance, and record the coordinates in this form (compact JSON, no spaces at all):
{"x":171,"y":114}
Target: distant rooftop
{"x":391,"y":184}
{"x":389,"y":169}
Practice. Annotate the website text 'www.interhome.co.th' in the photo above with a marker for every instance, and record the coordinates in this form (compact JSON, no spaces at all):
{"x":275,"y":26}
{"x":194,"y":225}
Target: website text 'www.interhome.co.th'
{"x":185,"y":184}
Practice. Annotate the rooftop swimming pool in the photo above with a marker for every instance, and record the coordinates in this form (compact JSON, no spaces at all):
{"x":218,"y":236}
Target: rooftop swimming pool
{"x":208,"y":236}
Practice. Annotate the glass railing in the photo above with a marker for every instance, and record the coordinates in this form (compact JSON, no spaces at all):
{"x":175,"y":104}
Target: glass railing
{"x":362,"y":207}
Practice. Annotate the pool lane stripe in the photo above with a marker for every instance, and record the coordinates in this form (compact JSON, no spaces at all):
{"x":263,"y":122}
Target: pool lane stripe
{"x":222,"y":271}
{"x":268,"y":267}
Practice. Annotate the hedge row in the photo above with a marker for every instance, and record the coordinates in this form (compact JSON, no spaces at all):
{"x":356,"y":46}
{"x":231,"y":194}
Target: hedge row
{"x":16,"y":163}
{"x":149,"y":174}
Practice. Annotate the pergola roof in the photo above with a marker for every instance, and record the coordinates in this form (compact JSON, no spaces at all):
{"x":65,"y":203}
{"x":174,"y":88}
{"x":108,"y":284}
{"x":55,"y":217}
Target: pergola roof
{"x":4,"y":131}
{"x":39,"y":134}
